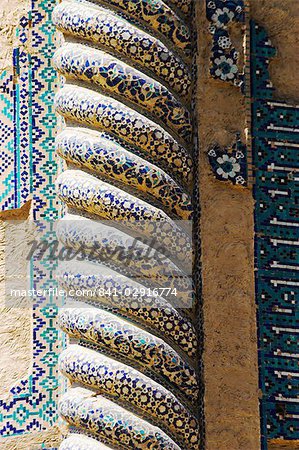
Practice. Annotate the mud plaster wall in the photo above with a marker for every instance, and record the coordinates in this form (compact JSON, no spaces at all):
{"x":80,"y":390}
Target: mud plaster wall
{"x":34,"y":441}
{"x":10,"y":13}
{"x":230,"y":350}
{"x":15,"y":330}
{"x":230,"y":358}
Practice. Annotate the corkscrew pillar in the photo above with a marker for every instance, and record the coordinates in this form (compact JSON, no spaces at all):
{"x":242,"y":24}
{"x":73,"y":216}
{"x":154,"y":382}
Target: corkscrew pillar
{"x":133,"y":354}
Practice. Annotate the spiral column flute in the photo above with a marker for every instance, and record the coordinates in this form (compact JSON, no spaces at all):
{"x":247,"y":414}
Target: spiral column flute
{"x":132,"y":356}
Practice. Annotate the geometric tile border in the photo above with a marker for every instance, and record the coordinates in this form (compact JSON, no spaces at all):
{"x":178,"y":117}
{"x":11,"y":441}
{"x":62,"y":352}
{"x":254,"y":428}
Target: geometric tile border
{"x":27,"y":139}
{"x":275,"y":151}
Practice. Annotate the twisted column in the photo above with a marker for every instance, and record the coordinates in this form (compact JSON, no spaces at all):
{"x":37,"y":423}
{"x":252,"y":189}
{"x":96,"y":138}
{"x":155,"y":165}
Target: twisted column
{"x":133,"y":352}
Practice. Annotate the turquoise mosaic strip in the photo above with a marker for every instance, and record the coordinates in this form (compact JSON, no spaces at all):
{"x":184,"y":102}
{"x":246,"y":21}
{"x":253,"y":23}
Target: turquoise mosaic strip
{"x":7,"y":172}
{"x":276,"y":167}
{"x":28,"y":132}
{"x":15,"y":113}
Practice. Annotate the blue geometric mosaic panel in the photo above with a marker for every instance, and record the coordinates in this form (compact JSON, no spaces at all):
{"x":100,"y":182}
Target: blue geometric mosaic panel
{"x":28,"y":127}
{"x":276,"y":191}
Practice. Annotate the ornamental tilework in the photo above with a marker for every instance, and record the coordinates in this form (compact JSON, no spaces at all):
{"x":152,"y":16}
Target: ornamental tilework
{"x":108,"y":202}
{"x":100,"y":372}
{"x":231,"y":164}
{"x":224,"y":57}
{"x":130,"y":263}
{"x":95,"y":110}
{"x":7,"y":170}
{"x":130,"y":88}
{"x":15,"y":116}
{"x":276,"y":189}
{"x":118,"y":36}
{"x":161,"y":19}
{"x":28,"y":129}
{"x":100,"y":154}
{"x":111,"y":422}
{"x":119,"y":338}
{"x":121,"y":80}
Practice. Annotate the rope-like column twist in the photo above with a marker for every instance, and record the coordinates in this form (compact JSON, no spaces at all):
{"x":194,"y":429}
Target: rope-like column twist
{"x":132,"y":359}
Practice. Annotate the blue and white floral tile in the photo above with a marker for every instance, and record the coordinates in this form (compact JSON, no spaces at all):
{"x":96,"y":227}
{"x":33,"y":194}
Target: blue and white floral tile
{"x":224,"y":56}
{"x":230,"y":164}
{"x":222,"y":12}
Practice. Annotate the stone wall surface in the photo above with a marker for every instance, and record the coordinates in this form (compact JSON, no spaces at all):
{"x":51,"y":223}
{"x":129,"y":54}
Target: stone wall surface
{"x":15,"y":331}
{"x":230,"y":358}
{"x":10,"y":14}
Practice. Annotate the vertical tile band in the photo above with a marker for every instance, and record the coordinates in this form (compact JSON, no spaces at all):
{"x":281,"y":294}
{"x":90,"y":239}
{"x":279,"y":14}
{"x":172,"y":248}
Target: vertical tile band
{"x":128,"y":145}
{"x":275,"y":147}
